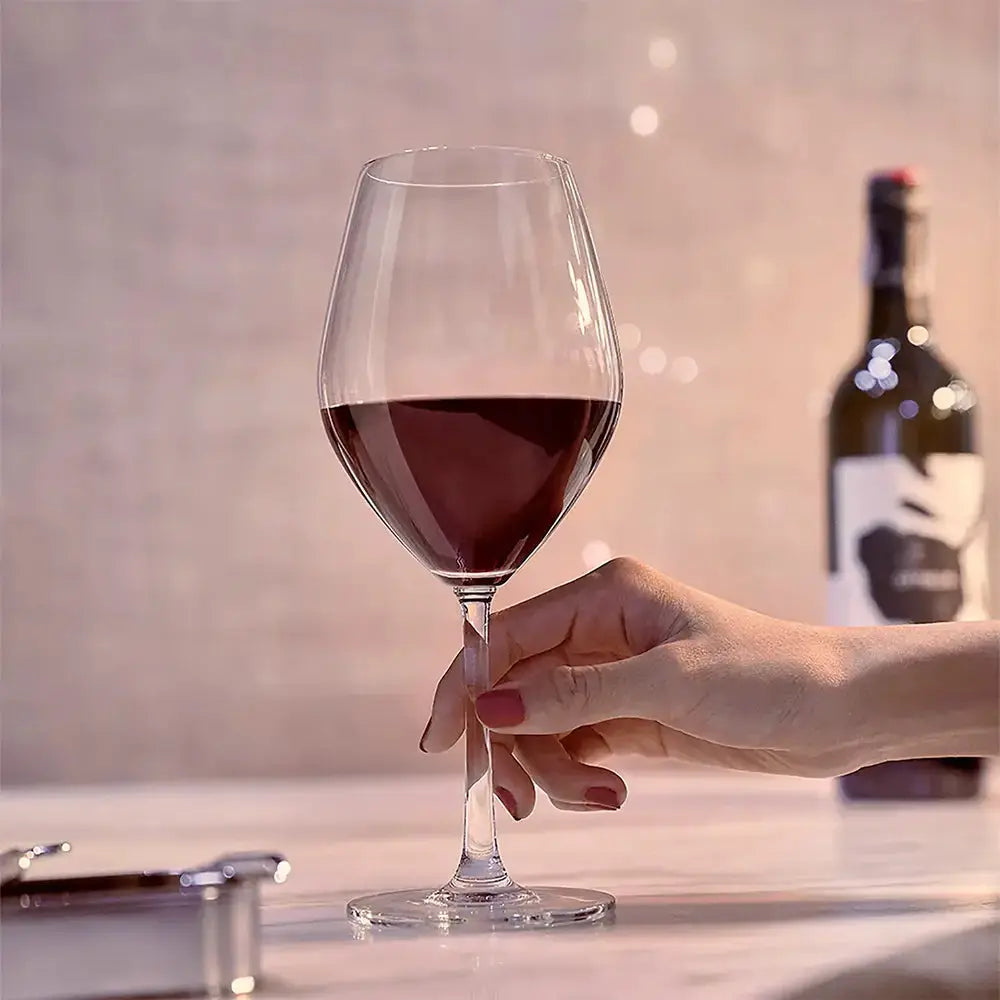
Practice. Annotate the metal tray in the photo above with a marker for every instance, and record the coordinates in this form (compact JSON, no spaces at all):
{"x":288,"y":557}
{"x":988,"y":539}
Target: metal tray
{"x":194,"y":932}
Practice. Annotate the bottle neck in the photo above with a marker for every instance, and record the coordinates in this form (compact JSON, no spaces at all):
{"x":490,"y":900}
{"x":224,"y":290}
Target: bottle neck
{"x":893,"y":312}
{"x":898,"y":272}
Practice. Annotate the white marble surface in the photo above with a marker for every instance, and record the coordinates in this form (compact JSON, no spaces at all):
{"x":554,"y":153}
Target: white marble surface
{"x":729,"y":886}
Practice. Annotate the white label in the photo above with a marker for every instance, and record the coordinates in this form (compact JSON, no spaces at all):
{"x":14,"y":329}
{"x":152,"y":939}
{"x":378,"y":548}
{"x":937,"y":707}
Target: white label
{"x":909,"y":542}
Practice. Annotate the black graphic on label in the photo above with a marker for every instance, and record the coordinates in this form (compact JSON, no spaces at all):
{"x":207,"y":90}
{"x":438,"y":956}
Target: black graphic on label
{"x":909,"y":539}
{"x":911,"y":578}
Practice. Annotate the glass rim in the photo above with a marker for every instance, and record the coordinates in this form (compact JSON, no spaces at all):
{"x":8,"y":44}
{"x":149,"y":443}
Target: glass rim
{"x":369,"y":167}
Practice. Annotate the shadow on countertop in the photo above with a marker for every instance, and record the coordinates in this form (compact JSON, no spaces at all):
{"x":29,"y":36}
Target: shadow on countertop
{"x":956,"y":967}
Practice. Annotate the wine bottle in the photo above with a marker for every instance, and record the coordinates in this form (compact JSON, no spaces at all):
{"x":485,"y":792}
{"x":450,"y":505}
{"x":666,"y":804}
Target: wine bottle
{"x":906,"y":511}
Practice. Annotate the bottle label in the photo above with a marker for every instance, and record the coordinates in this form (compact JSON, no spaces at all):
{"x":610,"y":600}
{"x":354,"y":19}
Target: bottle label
{"x":909,"y":540}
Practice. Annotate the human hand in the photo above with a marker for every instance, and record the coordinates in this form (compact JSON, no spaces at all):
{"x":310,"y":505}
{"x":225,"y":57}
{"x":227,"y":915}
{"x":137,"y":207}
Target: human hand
{"x":626,"y":661}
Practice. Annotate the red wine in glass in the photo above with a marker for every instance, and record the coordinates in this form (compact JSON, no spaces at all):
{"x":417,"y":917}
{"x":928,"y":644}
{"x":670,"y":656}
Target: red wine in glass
{"x":472,"y":486}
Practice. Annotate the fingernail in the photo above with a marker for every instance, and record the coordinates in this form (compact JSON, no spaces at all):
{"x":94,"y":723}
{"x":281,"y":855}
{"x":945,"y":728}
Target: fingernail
{"x":500,"y":708}
{"x":508,"y":800}
{"x":605,"y":798}
{"x":423,"y":736}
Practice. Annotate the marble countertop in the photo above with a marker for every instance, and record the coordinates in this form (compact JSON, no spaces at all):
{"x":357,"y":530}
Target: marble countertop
{"x":729,"y":886}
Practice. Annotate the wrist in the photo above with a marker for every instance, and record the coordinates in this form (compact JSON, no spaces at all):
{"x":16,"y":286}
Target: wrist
{"x":910,"y":691}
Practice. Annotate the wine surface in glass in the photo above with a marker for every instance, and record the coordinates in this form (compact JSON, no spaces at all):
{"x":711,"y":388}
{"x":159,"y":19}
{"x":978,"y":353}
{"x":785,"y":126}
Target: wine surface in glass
{"x":472,"y":485}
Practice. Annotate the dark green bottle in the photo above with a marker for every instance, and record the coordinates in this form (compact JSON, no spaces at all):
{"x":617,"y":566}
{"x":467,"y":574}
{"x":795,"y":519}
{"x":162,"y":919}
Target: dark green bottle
{"x":906,"y":486}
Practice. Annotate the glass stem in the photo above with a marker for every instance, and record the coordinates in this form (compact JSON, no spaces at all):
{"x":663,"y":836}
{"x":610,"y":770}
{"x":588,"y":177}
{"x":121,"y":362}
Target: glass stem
{"x":480,"y":870}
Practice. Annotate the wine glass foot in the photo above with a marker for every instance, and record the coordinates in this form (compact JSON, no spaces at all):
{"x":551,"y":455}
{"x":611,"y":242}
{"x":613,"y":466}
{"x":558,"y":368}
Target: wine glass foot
{"x":517,"y":907}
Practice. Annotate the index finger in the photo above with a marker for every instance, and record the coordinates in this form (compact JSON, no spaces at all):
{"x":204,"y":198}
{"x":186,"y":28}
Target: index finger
{"x":611,"y":613}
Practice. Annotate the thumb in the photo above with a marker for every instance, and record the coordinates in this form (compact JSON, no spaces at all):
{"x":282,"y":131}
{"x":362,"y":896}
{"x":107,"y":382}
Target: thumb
{"x":543,"y":695}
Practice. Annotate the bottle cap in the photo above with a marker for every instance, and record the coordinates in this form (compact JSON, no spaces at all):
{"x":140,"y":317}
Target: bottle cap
{"x":898,"y":188}
{"x":901,"y":176}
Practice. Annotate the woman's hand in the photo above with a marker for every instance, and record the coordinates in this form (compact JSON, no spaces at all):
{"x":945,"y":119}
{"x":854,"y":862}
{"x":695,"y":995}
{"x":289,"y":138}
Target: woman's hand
{"x":627,"y":661}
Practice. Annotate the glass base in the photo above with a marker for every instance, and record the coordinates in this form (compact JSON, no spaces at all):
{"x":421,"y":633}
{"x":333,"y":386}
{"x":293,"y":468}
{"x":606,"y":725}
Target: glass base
{"x":543,"y":906}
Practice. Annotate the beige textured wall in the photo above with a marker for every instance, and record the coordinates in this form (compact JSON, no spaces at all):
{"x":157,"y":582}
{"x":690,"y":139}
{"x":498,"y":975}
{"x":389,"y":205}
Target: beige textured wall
{"x":190,"y":584}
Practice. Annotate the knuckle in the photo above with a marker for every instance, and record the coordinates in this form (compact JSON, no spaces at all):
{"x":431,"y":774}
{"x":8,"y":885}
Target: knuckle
{"x":576,"y":687}
{"x":623,"y":571}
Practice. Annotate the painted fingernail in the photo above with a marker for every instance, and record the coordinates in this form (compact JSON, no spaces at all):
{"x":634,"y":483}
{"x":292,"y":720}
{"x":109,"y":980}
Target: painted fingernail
{"x":604,"y":798}
{"x":423,"y":736}
{"x":500,"y":708}
{"x":508,"y":800}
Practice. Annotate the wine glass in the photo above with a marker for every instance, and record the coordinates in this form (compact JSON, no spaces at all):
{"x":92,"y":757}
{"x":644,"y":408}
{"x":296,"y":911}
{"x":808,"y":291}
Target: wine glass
{"x":470,"y":380}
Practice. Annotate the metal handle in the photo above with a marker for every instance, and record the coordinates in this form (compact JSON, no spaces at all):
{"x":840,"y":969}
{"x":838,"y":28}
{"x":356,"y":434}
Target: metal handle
{"x":15,"y":862}
{"x":253,"y":866}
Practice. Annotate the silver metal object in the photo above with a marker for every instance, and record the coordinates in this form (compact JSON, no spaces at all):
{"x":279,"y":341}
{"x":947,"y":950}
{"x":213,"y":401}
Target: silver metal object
{"x":128,"y":934}
{"x":16,"y":862}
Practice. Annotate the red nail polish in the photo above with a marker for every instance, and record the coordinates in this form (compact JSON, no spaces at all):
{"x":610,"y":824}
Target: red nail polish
{"x":508,"y":800}
{"x":605,"y":798}
{"x":500,"y":708}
